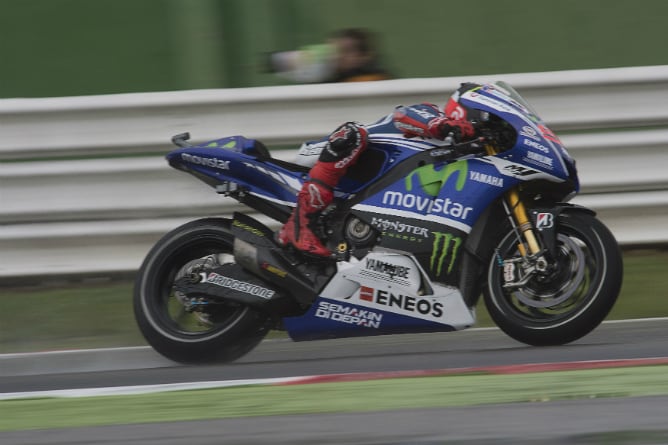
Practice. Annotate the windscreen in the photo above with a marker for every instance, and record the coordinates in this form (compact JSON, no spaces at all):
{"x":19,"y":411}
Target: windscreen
{"x":514,"y":96}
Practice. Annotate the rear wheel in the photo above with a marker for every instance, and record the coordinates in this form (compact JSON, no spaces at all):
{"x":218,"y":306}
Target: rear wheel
{"x":567,"y":300}
{"x":187,"y":329}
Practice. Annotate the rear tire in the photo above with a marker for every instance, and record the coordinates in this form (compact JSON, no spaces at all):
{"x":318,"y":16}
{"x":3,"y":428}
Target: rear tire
{"x":571,"y":301}
{"x":179,"y":328}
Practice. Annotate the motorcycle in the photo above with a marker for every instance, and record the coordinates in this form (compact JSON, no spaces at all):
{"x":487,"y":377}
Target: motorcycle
{"x":419,"y":230}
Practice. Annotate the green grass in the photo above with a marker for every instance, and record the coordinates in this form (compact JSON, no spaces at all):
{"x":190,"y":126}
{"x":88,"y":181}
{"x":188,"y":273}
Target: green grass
{"x":100,"y":315}
{"x":645,"y":288}
{"x":87,"y":316}
{"x":375,"y":395}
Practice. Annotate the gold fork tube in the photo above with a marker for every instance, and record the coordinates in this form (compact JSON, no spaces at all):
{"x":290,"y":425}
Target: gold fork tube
{"x":523,"y":223}
{"x":520,"y":214}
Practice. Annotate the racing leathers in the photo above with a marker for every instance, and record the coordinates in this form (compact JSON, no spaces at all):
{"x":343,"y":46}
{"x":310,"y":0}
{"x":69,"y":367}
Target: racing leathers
{"x":342,"y":149}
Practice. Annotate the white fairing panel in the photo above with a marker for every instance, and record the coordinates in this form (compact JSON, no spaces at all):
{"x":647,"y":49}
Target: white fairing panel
{"x":395,"y":283}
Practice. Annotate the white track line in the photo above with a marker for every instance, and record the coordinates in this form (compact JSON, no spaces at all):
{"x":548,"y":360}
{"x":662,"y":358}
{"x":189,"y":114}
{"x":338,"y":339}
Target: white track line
{"x":142,"y":389}
{"x":333,"y":378}
{"x":149,"y":389}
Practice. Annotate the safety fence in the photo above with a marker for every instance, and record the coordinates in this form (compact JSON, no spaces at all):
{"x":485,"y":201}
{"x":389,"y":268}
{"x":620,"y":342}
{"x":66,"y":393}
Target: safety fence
{"x":69,"y":208}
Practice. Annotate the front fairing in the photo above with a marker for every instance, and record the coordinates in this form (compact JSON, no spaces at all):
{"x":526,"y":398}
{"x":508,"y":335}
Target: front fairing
{"x":536,"y":146}
{"x":431,"y":209}
{"x":455,"y":194}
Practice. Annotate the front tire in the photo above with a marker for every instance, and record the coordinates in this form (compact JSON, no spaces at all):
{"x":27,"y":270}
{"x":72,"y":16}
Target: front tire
{"x":569,"y":302}
{"x":191,"y":330}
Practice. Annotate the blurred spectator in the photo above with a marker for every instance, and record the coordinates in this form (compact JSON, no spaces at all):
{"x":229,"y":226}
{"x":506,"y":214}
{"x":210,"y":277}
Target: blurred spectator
{"x":350,"y":55}
{"x":356,"y":57}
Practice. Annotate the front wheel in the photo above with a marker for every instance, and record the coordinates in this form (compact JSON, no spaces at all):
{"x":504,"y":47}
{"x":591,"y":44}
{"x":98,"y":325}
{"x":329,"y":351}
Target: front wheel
{"x":193,"y":329}
{"x":567,"y":300}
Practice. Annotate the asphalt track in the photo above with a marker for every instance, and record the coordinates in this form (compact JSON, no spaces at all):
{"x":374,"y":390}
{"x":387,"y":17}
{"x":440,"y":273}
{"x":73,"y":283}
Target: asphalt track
{"x":640,"y":420}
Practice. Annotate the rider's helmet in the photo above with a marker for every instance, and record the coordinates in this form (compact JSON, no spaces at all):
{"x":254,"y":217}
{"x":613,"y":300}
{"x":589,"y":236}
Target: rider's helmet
{"x":506,"y":135}
{"x":457,"y":111}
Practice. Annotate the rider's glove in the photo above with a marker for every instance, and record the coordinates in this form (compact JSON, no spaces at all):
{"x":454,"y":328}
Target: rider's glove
{"x":441,"y":127}
{"x":427,"y":121}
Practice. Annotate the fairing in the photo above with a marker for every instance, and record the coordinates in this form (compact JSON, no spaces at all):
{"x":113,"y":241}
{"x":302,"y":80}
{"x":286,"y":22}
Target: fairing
{"x":423,"y":208}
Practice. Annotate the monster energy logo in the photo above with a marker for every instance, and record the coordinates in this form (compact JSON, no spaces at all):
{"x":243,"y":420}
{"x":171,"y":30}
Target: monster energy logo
{"x":445,"y":244}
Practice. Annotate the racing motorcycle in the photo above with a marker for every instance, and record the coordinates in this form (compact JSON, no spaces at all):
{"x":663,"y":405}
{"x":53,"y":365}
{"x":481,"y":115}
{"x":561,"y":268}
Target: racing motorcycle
{"x":419,"y":230}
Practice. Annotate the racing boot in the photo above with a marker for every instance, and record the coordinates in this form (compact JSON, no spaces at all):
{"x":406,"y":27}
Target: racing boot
{"x":312,"y":199}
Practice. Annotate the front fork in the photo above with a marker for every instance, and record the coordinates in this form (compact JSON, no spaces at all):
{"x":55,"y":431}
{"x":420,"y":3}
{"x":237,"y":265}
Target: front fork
{"x":518,"y":271}
{"x":521,"y":223}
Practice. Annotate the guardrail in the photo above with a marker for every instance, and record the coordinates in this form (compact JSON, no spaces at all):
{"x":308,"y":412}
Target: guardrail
{"x":102,"y":215}
{"x":131,"y":123}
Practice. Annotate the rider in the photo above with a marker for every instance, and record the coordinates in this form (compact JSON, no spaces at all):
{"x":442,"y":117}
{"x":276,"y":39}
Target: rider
{"x":343,"y":147}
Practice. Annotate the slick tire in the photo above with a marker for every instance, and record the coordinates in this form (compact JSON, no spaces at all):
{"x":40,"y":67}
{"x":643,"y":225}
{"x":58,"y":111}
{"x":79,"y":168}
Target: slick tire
{"x":573,"y":299}
{"x":221,"y":332}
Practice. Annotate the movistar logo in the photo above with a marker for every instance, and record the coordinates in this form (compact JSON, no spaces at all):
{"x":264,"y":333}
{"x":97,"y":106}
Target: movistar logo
{"x":444,"y":252}
{"x":208,"y":162}
{"x":446,"y":206}
{"x":432,"y":180}
{"x":216,"y":144}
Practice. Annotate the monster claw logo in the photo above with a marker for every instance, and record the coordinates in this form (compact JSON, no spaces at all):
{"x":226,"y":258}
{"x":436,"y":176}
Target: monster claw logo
{"x":445,"y":245}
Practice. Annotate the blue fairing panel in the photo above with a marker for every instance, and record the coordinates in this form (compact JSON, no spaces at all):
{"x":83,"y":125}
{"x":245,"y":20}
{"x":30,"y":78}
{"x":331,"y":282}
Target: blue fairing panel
{"x":453,"y":195}
{"x":336,"y":319}
{"x":237,"y":159}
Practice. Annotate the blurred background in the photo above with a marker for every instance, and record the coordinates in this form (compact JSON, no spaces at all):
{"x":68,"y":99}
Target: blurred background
{"x":83,"y":182}
{"x":65,"y":168}
{"x":83,"y":47}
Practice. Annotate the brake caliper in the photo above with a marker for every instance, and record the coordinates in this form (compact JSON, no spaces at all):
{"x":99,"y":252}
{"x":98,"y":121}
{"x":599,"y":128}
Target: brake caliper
{"x":518,"y":271}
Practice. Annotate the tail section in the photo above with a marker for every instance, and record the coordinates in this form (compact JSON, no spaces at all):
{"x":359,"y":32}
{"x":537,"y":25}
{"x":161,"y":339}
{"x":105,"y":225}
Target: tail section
{"x":242,"y":169}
